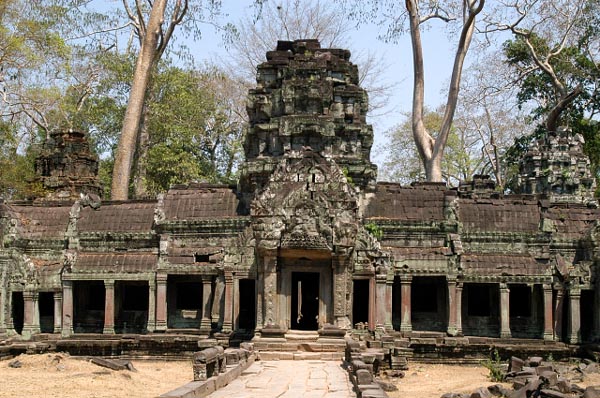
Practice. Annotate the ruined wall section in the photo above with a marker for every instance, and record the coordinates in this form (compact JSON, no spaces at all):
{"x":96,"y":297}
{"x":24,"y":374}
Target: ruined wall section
{"x":307,"y":97}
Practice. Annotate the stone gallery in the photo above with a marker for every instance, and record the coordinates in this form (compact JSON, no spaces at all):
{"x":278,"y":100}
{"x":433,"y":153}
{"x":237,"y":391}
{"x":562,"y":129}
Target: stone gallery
{"x":308,"y":240}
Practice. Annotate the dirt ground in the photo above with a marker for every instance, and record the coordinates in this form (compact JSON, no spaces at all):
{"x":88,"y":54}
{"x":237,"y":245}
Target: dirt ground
{"x":432,"y":381}
{"x":61,"y":376}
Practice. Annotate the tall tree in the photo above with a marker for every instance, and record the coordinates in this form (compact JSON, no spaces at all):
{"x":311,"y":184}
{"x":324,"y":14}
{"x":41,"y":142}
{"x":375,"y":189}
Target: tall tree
{"x":303,"y":19}
{"x":154,"y":39}
{"x":412,"y":19}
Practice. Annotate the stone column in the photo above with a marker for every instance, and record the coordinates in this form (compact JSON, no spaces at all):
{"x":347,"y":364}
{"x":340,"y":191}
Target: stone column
{"x":206,"y":320}
{"x":372,"y":303}
{"x":57,"y":311}
{"x":575,"y":312}
{"x":452,"y":310}
{"x":405,"y":308}
{"x":383,"y":303}
{"x":259,"y":300}
{"x":2,"y":309}
{"x":31,"y":316}
{"x":558,"y":314}
{"x":459,"y":289}
{"x":228,"y":310}
{"x":236,"y":303}
{"x":161,"y":302}
{"x":109,"y":307}
{"x":67,"y":309}
{"x":504,"y":311}
{"x":151,"y":326}
{"x":340,"y":292}
{"x":270,"y":298}
{"x":548,"y":321}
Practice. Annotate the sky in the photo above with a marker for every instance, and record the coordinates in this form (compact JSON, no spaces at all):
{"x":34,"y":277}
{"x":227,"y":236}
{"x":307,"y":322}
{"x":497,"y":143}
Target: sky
{"x":438,"y":55}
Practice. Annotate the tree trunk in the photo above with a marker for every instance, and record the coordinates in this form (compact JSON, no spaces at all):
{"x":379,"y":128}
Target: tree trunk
{"x":140,"y":167}
{"x":432,"y":150}
{"x":135,"y":105}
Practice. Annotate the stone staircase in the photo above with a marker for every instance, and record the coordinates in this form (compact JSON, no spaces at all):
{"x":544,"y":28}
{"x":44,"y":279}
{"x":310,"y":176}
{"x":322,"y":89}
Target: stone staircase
{"x":300,"y":345}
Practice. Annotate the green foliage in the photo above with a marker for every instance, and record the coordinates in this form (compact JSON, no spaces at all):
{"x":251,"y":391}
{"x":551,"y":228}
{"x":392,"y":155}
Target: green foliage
{"x":494,"y":365}
{"x":374,"y":230}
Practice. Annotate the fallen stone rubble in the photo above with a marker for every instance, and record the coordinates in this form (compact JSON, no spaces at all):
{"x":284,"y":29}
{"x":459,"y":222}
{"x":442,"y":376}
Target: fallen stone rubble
{"x":535,"y":377}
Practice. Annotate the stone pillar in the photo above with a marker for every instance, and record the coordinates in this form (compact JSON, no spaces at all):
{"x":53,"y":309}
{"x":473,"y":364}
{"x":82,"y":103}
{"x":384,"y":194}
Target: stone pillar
{"x":57,"y":311}
{"x":548,"y":321}
{"x":452,"y":310}
{"x":31,"y":316}
{"x":340,"y":292}
{"x":228,"y":310}
{"x":459,"y":289}
{"x":259,"y":299}
{"x":109,"y":307}
{"x":575,"y":312}
{"x":405,"y":308}
{"x":3,"y":302}
{"x":236,"y":303}
{"x":205,"y":322}
{"x":383,"y":303}
{"x":151,"y":326}
{"x":67,"y":309}
{"x":161,"y":302}
{"x":270,"y":298}
{"x":372,"y":303}
{"x":504,"y":311}
{"x":558,"y":314}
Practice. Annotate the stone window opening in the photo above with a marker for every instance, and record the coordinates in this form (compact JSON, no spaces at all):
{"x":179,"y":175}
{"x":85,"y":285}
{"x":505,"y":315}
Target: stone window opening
{"x":479,"y":303}
{"x":201,"y":258}
{"x":520,"y":301}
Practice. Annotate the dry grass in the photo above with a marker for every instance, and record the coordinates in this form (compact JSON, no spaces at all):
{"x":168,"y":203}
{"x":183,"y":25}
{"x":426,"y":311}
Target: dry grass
{"x":61,"y":376}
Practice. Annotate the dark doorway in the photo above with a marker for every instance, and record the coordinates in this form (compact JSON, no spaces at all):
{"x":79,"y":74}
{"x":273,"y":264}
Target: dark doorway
{"x":88,"y":306}
{"x":46,"y":307}
{"x":18,"y":311}
{"x":131,"y":302}
{"x":184,"y":302}
{"x":305,"y":300}
{"x":247,"y":316}
{"x":360,"y":301}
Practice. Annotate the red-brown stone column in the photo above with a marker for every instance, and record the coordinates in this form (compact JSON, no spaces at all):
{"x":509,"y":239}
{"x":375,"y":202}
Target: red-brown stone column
{"x":452,"y":310}
{"x":372,"y":304}
{"x":161,"y":302}
{"x":504,"y":311}
{"x":57,"y":311}
{"x":109,"y":307}
{"x":383,"y":303}
{"x":67,"y":309}
{"x":459,"y":289}
{"x":236,"y":303}
{"x":228,"y":302}
{"x":205,"y":322}
{"x":548,"y":321}
{"x":151,"y":327}
{"x":575,"y":312}
{"x":558,"y":314}
{"x":405,"y":308}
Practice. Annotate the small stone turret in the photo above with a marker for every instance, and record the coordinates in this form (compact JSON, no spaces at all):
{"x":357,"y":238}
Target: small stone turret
{"x":556,"y":166}
{"x":67,"y":167}
{"x":307,"y":97}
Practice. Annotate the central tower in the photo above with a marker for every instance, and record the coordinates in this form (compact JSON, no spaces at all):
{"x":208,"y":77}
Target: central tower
{"x":307,"y":97}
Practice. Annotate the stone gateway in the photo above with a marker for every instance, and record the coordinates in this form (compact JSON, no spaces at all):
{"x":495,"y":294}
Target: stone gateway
{"x":308,"y":243}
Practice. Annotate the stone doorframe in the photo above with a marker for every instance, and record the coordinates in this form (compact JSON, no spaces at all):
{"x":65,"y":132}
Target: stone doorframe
{"x":324,"y":269}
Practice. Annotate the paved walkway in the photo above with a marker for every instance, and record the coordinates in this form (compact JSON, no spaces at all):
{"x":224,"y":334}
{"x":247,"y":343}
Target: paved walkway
{"x":290,"y":379}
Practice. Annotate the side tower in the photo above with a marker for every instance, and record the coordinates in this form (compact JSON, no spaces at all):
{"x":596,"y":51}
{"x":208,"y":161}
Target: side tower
{"x":307,"y":97}
{"x":556,"y":166}
{"x":67,"y":167}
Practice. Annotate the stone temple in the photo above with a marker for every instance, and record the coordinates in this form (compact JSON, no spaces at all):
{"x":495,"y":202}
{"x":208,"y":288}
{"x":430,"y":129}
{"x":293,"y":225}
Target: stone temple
{"x":308,"y":243}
